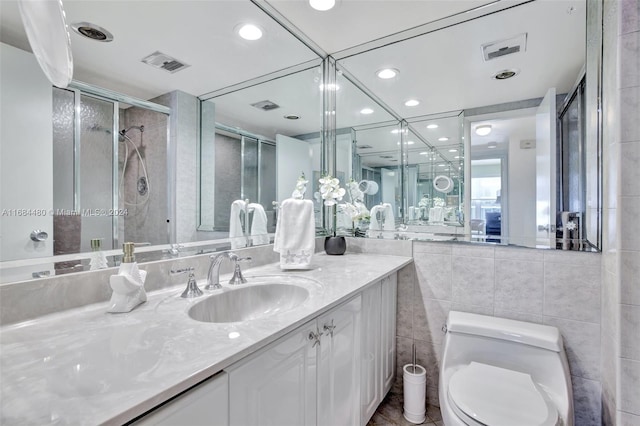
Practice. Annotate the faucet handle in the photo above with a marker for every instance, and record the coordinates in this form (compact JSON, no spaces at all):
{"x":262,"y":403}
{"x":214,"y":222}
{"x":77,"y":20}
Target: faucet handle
{"x":237,"y":277}
{"x":192,"y":289}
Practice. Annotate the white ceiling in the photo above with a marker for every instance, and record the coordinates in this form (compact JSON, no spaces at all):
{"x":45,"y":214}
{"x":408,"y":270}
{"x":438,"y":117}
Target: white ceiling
{"x":446,"y":71}
{"x":354,"y":22}
{"x":200,"y":33}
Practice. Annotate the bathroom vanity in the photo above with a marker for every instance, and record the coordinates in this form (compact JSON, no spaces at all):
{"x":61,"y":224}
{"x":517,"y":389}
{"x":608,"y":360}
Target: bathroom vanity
{"x":328,"y":360}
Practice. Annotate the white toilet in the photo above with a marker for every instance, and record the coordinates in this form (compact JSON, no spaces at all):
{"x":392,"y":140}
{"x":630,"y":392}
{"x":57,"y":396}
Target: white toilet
{"x":500,"y":372}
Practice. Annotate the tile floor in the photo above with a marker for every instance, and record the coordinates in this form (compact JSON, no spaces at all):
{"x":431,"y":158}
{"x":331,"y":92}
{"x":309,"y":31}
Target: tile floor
{"x":390,"y":413}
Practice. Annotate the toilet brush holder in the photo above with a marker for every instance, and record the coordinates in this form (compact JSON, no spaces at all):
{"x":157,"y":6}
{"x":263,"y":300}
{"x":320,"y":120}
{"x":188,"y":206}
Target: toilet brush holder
{"x":415,"y":392}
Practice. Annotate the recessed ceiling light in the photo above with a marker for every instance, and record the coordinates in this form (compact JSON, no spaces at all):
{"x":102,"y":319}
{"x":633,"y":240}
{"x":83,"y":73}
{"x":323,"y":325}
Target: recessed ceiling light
{"x":249,"y":32}
{"x":322,"y":5}
{"x":443,"y":139}
{"x":424,"y":153}
{"x":407,"y":143}
{"x":412,"y":103}
{"x":387,"y":73}
{"x":492,"y":145}
{"x":441,"y":165}
{"x":483,"y":130}
{"x":505,"y":74}
{"x":432,"y":126}
{"x":453,"y":150}
{"x":366,"y":111}
{"x":457,"y":156}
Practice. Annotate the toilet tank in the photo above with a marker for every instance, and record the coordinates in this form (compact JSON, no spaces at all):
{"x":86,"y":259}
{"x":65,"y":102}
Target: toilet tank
{"x":530,"y":348}
{"x":537,"y":335}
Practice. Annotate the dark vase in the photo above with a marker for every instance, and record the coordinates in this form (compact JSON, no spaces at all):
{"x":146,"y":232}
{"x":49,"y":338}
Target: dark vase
{"x":335,"y":245}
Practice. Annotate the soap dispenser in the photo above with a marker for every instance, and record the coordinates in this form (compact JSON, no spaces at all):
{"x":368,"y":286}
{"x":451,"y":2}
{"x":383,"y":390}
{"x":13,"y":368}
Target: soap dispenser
{"x":128,"y":284}
{"x":98,"y":258}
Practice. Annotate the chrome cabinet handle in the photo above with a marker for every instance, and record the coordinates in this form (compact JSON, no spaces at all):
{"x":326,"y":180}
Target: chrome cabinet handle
{"x":329,"y":328}
{"x":315,"y":337}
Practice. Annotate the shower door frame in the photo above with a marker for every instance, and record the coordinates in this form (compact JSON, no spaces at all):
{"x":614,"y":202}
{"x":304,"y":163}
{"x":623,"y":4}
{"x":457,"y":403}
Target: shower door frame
{"x":79,"y":88}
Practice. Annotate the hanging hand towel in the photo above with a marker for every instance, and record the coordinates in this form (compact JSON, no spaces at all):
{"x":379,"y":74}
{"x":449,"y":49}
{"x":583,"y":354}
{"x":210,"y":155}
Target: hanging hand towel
{"x":389,"y":219}
{"x":374,"y":223}
{"x":236,"y":235}
{"x":259,"y":234}
{"x":295,"y":237}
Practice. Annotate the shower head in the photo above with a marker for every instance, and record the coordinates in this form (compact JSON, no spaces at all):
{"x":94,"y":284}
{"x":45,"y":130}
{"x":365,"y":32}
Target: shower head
{"x":124,"y":131}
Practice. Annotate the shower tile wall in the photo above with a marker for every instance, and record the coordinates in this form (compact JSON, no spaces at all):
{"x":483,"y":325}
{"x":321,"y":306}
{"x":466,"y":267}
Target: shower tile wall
{"x":227,"y":170}
{"x":557,"y":288}
{"x":621,"y":231}
{"x":146,"y":221}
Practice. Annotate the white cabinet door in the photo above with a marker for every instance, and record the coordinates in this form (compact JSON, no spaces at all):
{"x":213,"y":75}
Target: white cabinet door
{"x":277,"y":386}
{"x":388,"y":331}
{"x":205,"y":404}
{"x":370,"y":363}
{"x":339,"y":369}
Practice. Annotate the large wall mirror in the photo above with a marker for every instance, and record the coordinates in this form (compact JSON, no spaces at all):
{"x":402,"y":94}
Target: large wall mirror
{"x":491,"y":66}
{"x":515,"y":81}
{"x":64,"y":149}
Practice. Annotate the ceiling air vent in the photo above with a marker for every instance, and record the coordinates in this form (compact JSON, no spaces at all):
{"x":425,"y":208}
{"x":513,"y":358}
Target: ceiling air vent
{"x":266,"y":105}
{"x":164,"y":62}
{"x":364,"y":147}
{"x":500,"y":48}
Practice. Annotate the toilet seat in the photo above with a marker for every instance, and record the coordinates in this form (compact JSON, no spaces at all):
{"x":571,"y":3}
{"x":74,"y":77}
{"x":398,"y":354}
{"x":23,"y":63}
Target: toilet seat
{"x":483,"y":394}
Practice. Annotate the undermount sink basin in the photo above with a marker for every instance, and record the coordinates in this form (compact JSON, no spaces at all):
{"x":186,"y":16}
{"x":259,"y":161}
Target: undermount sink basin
{"x":248,"y":303}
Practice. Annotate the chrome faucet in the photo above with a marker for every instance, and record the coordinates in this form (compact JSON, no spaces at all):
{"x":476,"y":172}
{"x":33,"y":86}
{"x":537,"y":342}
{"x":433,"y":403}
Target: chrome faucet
{"x":213,"y":276}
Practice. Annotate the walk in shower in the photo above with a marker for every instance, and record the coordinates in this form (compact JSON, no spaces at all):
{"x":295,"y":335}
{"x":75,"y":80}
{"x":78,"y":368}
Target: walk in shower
{"x":110,"y":170}
{"x":234,"y":165}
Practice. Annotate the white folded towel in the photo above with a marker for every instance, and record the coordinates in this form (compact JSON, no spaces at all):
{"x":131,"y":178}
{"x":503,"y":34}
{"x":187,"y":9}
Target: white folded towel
{"x":389,"y":218}
{"x":236,"y":235}
{"x":259,"y":234}
{"x":295,"y":237}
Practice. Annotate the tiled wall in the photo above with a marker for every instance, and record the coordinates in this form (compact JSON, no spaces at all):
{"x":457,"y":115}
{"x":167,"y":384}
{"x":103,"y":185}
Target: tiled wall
{"x":621,"y":285}
{"x":551,"y":287}
{"x":146,"y":219}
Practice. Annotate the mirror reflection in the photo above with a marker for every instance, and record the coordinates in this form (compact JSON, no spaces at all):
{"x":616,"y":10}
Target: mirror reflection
{"x":472,"y":67}
{"x":499,"y":63}
{"x":145,"y":180}
{"x":255,"y":143}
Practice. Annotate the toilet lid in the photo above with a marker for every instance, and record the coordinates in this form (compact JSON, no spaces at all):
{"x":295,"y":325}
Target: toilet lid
{"x":497,"y":396}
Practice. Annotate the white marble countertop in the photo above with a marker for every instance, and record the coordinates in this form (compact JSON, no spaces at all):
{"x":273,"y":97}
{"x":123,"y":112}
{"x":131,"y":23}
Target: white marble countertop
{"x":85,"y":366}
